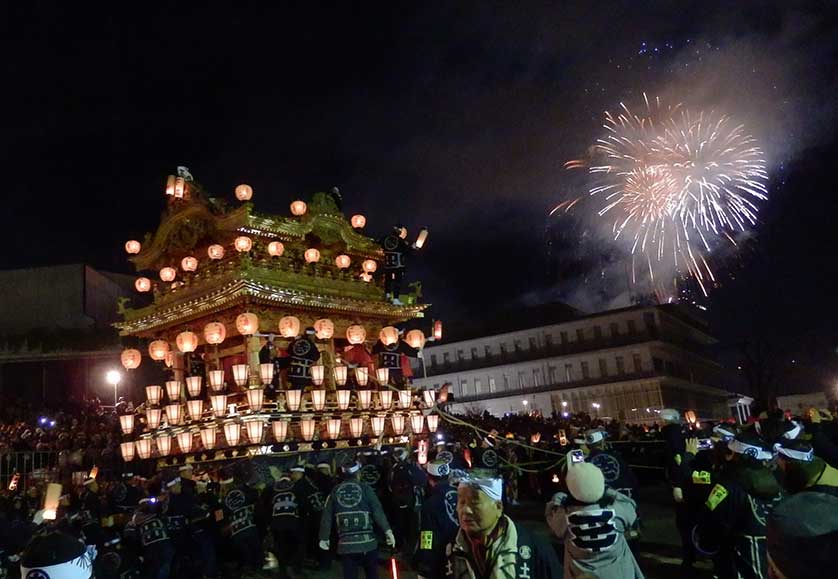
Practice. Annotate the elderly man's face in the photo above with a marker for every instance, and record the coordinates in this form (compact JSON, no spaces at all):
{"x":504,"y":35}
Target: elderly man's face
{"x":477,"y":512}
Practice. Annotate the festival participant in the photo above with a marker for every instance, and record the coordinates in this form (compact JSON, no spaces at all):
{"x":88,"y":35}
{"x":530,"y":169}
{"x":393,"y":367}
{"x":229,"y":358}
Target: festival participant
{"x":438,"y":522}
{"x":57,"y":555}
{"x":406,"y":483}
{"x":311,"y":486}
{"x":354,"y":507}
{"x":799,"y":469}
{"x":618,"y":475}
{"x":149,"y":528}
{"x":302,"y":355}
{"x":395,"y":251}
{"x":489,"y":543}
{"x":286,"y":526}
{"x":239,"y":502}
{"x":802,"y":533}
{"x":592,"y":521}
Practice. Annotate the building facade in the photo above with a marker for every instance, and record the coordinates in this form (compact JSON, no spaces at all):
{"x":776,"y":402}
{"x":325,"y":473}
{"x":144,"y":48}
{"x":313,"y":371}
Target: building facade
{"x":627,"y":363}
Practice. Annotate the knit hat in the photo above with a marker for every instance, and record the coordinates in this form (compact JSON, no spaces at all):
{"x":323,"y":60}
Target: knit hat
{"x":802,"y":531}
{"x":585,"y":482}
{"x":58,"y":556}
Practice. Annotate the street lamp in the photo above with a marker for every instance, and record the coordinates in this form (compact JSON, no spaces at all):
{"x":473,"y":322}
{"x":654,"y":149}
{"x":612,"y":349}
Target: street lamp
{"x":113,"y":377}
{"x":525,"y":402}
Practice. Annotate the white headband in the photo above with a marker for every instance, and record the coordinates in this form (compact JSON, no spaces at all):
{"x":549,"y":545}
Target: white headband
{"x":802,"y":456}
{"x":352,"y":468}
{"x":438,"y":469}
{"x":746,"y":449}
{"x":79,"y":568}
{"x":794,"y":432}
{"x":172,"y":482}
{"x":493,"y":487}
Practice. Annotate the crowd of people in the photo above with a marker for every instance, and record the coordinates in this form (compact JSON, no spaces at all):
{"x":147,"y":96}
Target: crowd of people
{"x":757,"y":500}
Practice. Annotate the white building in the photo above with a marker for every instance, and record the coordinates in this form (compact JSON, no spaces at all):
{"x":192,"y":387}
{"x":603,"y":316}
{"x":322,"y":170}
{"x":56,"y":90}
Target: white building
{"x":628,"y":362}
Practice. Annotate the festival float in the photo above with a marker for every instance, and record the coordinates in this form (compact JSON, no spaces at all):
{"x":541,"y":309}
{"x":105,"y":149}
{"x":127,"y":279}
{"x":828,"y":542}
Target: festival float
{"x":275,"y":332}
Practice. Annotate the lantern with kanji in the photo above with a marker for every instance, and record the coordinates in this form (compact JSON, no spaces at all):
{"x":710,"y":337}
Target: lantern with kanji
{"x":298,"y":208}
{"x":369,"y":266}
{"x":157,"y":350}
{"x":415,"y":339}
{"x":131,"y":358}
{"x":143,"y":284}
{"x":324,"y":329}
{"x":358,"y":221}
{"x":187,"y":342}
{"x":343,"y":261}
{"x":133,"y":246}
{"x":289,"y":326}
{"x":247,"y":324}
{"x":276,"y":248}
{"x":215,"y":332}
{"x":312,"y":255}
{"x":168,"y":274}
{"x":215,"y":251}
{"x":356,"y":334}
{"x":244,"y":192}
{"x":388,"y":335}
{"x":189,"y":263}
{"x":243,"y":243}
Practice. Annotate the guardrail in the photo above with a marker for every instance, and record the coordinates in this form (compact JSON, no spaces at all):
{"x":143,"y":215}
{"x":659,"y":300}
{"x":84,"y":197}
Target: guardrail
{"x":32,"y":466}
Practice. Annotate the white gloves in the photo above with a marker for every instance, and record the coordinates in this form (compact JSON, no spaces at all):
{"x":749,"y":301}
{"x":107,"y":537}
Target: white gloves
{"x":324,"y":545}
{"x":390,"y":539}
{"x":678,"y":494}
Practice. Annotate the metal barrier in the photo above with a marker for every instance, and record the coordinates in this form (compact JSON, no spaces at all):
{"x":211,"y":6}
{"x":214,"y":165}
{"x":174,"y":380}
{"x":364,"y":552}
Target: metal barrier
{"x":30,"y":467}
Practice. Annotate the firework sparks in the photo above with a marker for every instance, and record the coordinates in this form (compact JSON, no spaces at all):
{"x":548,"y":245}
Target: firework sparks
{"x":676,"y":183}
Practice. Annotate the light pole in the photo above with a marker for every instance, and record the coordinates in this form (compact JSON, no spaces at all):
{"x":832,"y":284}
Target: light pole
{"x":113,"y":378}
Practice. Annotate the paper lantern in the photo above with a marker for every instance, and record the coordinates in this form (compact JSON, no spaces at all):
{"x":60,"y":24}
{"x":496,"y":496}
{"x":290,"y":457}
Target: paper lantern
{"x":430,"y":397}
{"x":293,"y":398}
{"x":164,"y":444}
{"x":417,"y":422}
{"x":437,"y":329}
{"x":126,"y":422}
{"x":180,"y":186}
{"x":244,"y":192}
{"x":153,"y":394}
{"x":219,"y":404}
{"x":170,"y":185}
{"x":356,"y":334}
{"x":196,"y":409}
{"x":240,"y":374}
{"x":247,"y":324}
{"x":275,"y":248}
{"x":388,"y":335}
{"x":189,"y":263}
{"x":153,"y":416}
{"x":168,"y":274}
{"x":433,"y":422}
{"x":266,"y":373}
{"x":397,"y":422}
{"x":280,"y":428}
{"x":318,"y":399}
{"x":158,"y":349}
{"x":369,"y":266}
{"x":133,"y":246}
{"x":186,"y":342}
{"x":356,"y":427}
{"x":193,"y":386}
{"x":415,"y":339}
{"x":358,"y":221}
{"x":289,"y":327}
{"x":405,"y":398}
{"x":208,"y":437}
{"x":144,"y":448}
{"x":333,"y":428}
{"x":324,"y":329}
{"x":173,"y":390}
{"x":423,"y":236}
{"x":386,"y":399}
{"x":343,"y":399}
{"x":215,"y":251}
{"x":174,"y":414}
{"x":232,"y":432}
{"x":383,"y":376}
{"x":130,"y":358}
{"x":243,"y":244}
{"x":255,"y":399}
{"x":364,"y":398}
{"x":254,"y":429}
{"x":127,"y":449}
{"x":317,"y":374}
{"x":298,"y":208}
{"x":307,"y":428}
{"x":184,"y":441}
{"x":377,"y":424}
{"x":169,"y":359}
{"x":343,"y":261}
{"x":143,"y":284}
{"x":312,"y":255}
{"x":362,"y":374}
{"x":216,"y":380}
{"x":367,"y":278}
{"x":340,"y":375}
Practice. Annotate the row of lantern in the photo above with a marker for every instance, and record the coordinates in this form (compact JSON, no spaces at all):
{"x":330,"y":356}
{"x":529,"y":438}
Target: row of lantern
{"x":243,"y":244}
{"x":254,"y":429}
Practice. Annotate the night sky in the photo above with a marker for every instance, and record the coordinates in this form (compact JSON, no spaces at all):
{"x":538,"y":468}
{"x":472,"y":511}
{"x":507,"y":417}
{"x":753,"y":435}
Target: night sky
{"x":459,"y":116}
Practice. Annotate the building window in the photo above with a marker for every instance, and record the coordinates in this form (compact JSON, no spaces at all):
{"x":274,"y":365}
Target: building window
{"x":580,"y":335}
{"x":632,"y":327}
{"x":488,"y":350}
{"x":533,"y":344}
{"x":621,"y":365}
{"x":563,"y":336}
{"x":460,"y":355}
{"x":492,"y":386}
{"x":597,"y":333}
{"x":477,"y":385}
{"x":464,"y":387}
{"x":658,"y":363}
{"x":521,"y":380}
{"x":603,"y":367}
{"x":568,"y":372}
{"x":548,"y":340}
{"x":638,"y":367}
{"x":586,"y":371}
{"x":433,"y":359}
{"x":535,"y":378}
{"x":615,"y":330}
{"x":474,"y":353}
{"x":506,"y":382}
{"x":446,"y":357}
{"x":551,"y":374}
